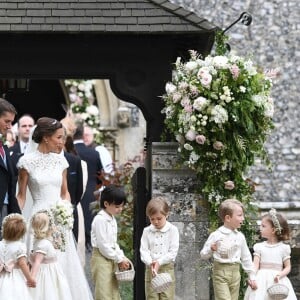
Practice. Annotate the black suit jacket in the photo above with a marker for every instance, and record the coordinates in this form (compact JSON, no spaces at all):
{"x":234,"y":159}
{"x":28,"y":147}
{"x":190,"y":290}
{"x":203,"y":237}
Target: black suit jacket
{"x":15,"y":154}
{"x":75,"y":185}
{"x":94,"y":166}
{"x":74,"y":177}
{"x":8,"y":184}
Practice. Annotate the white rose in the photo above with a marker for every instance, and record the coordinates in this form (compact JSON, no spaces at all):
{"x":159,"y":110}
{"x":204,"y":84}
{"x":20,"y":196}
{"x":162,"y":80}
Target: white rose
{"x":92,"y":110}
{"x":190,"y":135}
{"x":202,"y":71}
{"x":170,"y":88}
{"x":220,"y":62}
{"x":191,"y":66}
{"x":206,"y":79}
{"x":200,"y":103}
{"x":188,"y":147}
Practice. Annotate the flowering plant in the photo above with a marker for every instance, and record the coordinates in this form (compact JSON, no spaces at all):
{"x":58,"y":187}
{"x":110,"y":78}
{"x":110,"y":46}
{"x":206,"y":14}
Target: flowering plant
{"x":220,"y":111}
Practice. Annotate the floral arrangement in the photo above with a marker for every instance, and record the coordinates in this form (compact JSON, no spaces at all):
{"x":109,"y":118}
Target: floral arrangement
{"x":63,"y":214}
{"x":82,"y":101}
{"x":219,"y":110}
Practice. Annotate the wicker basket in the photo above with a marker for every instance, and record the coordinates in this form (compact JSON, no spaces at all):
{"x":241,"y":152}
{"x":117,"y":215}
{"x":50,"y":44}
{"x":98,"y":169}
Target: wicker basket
{"x":127,"y":275}
{"x":161,"y":282}
{"x":278,"y":291}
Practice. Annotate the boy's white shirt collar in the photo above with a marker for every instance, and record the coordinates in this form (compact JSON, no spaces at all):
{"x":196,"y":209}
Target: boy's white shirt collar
{"x":164,"y":229}
{"x":227,"y":230}
{"x":107,"y":216}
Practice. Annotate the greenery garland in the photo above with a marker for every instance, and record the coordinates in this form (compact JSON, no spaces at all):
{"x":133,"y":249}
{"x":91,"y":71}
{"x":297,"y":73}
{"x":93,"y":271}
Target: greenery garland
{"x":219,"y":110}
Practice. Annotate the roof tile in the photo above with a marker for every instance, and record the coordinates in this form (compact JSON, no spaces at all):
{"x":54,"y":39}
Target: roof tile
{"x":122,"y":16}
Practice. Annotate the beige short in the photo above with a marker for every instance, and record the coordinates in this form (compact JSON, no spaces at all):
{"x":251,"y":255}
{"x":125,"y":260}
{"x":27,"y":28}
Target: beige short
{"x":226,"y":281}
{"x":103,"y":275}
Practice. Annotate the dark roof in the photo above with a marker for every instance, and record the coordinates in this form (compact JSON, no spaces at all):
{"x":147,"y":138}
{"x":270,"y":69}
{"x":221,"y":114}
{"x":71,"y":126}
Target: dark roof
{"x":98,"y":16}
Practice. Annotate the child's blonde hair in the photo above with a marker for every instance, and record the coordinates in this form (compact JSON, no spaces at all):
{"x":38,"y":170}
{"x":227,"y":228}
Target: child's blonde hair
{"x":227,"y":207}
{"x":157,"y":205}
{"x":41,"y":225}
{"x":13,"y":227}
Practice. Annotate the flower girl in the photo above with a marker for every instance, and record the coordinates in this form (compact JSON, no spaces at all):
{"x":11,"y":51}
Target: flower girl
{"x":14,"y":270}
{"x":272,"y":258}
{"x":51,"y":281}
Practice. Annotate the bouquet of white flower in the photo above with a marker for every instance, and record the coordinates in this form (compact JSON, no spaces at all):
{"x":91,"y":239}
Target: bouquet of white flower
{"x":63,"y":214}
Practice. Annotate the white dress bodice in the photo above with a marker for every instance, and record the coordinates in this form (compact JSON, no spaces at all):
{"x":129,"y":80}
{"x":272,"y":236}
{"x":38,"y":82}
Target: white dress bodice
{"x":45,"y":177}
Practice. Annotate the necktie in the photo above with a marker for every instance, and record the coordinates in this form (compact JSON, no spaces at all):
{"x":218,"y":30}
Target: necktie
{"x":1,"y":150}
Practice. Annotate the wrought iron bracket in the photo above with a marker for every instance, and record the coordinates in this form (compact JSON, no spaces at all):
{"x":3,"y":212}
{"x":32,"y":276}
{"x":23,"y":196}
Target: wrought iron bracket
{"x":245,"y":19}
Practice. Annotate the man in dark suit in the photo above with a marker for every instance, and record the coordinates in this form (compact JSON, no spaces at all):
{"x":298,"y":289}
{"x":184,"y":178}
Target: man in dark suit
{"x":75,"y":185}
{"x":8,"y":201}
{"x":94,"y":166}
{"x":25,"y":123}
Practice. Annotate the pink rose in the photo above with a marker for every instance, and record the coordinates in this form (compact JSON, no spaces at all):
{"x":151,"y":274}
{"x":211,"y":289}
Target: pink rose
{"x":206,"y":80}
{"x":190,"y":135}
{"x":229,"y":185}
{"x":200,"y":139}
{"x":218,"y":145}
{"x":235,"y":71}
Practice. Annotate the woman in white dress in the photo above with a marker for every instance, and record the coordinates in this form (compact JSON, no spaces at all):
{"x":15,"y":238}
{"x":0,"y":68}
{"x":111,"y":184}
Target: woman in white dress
{"x":44,"y":171}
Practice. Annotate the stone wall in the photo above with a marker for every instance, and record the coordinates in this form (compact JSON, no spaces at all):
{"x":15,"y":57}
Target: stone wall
{"x":189,"y":214}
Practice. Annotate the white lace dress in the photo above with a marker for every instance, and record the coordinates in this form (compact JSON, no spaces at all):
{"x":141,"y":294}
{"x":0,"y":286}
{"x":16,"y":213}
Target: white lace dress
{"x":12,"y":281}
{"x":271,"y":257}
{"x":51,"y":282}
{"x":45,"y":179}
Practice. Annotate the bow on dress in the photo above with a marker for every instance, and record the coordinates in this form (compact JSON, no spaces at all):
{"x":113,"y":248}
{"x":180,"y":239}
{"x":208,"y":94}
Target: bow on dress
{"x":8,"y":267}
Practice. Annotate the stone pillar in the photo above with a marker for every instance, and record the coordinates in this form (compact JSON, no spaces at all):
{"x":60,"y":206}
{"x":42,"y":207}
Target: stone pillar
{"x":189,"y":214}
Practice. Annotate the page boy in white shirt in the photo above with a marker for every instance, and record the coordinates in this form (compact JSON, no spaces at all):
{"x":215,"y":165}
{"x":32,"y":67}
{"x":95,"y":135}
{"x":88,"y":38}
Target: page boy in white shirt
{"x":228,"y":248}
{"x":106,"y":251}
{"x":159,"y":247}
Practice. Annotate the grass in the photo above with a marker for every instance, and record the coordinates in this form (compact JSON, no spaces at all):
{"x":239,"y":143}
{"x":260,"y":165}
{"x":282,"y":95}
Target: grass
{"x":126,"y":290}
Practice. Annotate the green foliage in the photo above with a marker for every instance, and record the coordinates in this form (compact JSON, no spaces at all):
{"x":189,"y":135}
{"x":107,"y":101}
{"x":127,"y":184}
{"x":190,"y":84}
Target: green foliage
{"x":220,"y":112}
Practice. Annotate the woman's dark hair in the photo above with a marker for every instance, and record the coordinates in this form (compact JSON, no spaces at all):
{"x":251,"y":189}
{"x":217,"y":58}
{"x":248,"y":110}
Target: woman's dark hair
{"x":113,"y":195}
{"x":45,"y":127}
{"x":69,"y":145}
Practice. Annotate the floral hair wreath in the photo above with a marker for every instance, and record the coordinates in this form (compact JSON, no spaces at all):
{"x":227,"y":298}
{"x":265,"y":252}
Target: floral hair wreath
{"x":11,"y":216}
{"x":276,"y":223}
{"x":49,"y":214}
